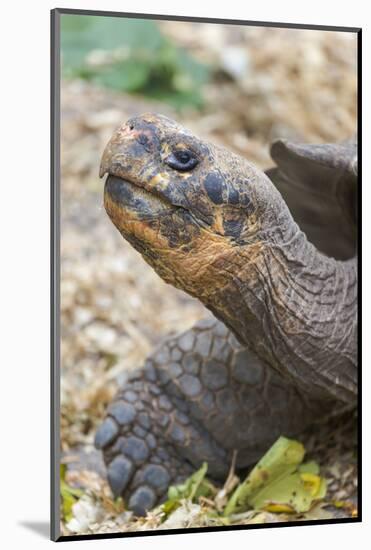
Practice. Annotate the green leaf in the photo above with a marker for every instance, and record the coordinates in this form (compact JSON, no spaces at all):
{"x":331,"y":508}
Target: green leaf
{"x":90,"y":32}
{"x":69,"y":495}
{"x":195,"y":486}
{"x":190,"y":488}
{"x":139,"y":59}
{"x":128,"y":76}
{"x":289,"y":494}
{"x":279,"y":482}
{"x":309,"y":467}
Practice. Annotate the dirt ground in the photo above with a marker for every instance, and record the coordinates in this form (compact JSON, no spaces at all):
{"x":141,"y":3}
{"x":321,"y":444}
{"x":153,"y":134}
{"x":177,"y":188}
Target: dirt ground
{"x":114,"y":308}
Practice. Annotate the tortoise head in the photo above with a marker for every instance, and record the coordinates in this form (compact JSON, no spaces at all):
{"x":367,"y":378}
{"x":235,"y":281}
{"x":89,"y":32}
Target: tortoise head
{"x":186,"y":205}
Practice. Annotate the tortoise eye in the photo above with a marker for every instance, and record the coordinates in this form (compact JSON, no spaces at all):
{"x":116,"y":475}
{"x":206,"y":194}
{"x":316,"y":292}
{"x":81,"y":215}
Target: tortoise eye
{"x":182,"y":160}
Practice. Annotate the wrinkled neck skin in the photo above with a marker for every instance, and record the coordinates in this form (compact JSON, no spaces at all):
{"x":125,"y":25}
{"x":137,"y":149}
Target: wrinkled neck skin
{"x":296,"y":307}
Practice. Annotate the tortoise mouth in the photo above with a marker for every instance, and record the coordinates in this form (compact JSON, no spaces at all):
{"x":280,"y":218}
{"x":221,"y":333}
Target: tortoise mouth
{"x":130,"y":196}
{"x":125,"y":200}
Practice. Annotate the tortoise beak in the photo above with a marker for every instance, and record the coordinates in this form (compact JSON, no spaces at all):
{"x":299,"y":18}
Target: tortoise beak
{"x":105,"y":162}
{"x":113,"y":154}
{"x":128,"y":144}
{"x":115,"y":150}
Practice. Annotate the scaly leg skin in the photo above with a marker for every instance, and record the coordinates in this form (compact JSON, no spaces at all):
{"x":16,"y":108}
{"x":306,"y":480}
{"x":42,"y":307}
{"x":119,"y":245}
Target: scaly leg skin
{"x":198,"y":398}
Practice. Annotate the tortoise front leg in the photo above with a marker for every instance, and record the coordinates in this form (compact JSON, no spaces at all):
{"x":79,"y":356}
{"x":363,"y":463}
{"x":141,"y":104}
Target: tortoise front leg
{"x":149,"y":441}
{"x":198,"y":398}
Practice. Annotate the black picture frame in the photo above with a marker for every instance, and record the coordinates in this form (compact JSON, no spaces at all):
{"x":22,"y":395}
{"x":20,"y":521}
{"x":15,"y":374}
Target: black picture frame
{"x":55,"y":266}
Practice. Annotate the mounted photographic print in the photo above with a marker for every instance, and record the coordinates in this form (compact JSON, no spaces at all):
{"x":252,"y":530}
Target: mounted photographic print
{"x":204,"y":282}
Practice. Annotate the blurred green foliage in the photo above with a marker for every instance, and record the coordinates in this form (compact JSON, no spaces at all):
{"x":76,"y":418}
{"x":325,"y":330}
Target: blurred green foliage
{"x":130,"y":55}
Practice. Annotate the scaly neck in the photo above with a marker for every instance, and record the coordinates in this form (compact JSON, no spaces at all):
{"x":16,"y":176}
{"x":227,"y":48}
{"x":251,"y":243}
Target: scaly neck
{"x":296,"y":308}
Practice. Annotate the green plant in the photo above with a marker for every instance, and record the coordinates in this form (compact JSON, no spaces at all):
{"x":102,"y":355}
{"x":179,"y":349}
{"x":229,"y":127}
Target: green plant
{"x":130,"y":55}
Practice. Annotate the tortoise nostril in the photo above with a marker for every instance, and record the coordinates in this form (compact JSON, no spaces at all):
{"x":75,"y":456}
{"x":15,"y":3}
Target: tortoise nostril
{"x":144,"y":140}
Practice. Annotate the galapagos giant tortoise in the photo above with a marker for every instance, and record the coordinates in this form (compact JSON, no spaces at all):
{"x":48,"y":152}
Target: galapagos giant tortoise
{"x":272,"y":256}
